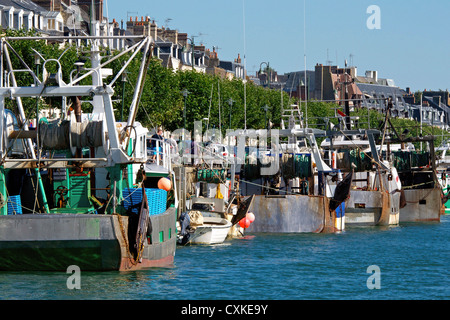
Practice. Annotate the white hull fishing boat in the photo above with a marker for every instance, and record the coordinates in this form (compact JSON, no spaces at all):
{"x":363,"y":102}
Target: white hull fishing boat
{"x":212,"y":225}
{"x":213,"y":230}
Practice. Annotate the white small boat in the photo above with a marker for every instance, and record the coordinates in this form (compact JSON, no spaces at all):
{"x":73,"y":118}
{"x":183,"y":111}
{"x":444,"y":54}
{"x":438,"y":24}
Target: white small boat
{"x":213,"y":230}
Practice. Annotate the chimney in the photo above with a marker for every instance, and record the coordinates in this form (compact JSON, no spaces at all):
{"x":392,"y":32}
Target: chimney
{"x":153,"y":30}
{"x":182,"y":39}
{"x":172,"y":36}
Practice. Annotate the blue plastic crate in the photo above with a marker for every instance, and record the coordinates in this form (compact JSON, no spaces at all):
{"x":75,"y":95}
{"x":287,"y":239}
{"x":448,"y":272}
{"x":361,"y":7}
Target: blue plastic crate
{"x":14,"y":205}
{"x":157,"y":200}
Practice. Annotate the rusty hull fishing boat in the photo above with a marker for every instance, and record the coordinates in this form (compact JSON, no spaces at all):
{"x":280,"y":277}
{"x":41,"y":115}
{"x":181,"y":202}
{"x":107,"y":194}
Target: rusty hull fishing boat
{"x":292,"y":187}
{"x":99,"y":208}
{"x":375,"y":197}
{"x":417,"y":170}
{"x":423,"y":195}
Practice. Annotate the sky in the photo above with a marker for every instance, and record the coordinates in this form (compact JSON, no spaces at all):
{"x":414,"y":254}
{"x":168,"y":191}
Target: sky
{"x":410,"y":46}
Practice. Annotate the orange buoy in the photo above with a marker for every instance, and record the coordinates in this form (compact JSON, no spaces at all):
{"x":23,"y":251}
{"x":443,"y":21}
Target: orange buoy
{"x":250,"y":216}
{"x":244,"y":223}
{"x":165,"y":184}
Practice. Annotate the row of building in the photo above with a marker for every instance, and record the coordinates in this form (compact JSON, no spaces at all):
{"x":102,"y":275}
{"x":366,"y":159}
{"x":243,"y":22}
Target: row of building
{"x":335,"y":84}
{"x":176,"y":50}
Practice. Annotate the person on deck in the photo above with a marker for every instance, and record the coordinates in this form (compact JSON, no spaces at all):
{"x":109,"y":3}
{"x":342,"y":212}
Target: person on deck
{"x":155,"y":144}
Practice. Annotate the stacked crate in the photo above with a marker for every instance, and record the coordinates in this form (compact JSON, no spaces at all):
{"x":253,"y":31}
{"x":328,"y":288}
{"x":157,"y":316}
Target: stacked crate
{"x":14,"y":205}
{"x":157,"y":200}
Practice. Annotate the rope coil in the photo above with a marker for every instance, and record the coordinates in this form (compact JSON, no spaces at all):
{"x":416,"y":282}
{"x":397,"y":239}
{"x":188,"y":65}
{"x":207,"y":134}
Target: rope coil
{"x":61,"y":136}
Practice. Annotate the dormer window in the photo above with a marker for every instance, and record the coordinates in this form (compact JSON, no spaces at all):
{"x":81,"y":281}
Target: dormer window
{"x":51,"y":24}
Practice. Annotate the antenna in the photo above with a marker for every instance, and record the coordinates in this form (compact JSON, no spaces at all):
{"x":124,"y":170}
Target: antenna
{"x":351,"y":59}
{"x":200,"y":35}
{"x":166,"y":22}
{"x":337,"y":58}
{"x":304,"y":49}
{"x":128,"y":16}
{"x":328,"y":62}
{"x":245,"y":67}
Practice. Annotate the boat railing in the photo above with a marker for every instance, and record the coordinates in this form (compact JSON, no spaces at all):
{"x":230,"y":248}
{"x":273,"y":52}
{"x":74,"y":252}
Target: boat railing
{"x":12,"y":72}
{"x":162,"y":154}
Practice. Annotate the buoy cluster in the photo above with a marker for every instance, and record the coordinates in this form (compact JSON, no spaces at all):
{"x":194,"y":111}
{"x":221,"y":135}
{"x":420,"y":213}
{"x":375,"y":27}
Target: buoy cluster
{"x":247,"y":220}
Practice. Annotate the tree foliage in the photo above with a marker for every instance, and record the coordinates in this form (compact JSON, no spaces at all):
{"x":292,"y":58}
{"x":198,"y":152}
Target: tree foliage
{"x":162,"y":102}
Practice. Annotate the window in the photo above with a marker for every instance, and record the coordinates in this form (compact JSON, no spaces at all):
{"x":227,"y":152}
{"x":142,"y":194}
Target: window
{"x":51,"y":24}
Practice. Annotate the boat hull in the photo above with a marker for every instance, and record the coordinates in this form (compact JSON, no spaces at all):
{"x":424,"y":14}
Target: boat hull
{"x":211,"y":233}
{"x":53,"y":242}
{"x":422,"y":205}
{"x":291,"y":214}
{"x":372,"y":208}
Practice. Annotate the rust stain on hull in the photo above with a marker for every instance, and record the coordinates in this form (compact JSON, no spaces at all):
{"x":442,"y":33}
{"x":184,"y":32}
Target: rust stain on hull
{"x":422,"y":205}
{"x":292,"y":214}
{"x":127,"y":264}
{"x":154,"y":255}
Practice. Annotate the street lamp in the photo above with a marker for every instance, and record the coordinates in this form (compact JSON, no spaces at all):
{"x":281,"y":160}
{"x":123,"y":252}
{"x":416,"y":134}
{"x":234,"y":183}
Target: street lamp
{"x":230,"y":102}
{"x":268,"y":72}
{"x":37,"y":62}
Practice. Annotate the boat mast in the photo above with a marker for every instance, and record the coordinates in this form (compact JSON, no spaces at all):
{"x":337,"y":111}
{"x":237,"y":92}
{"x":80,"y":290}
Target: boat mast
{"x":23,"y":121}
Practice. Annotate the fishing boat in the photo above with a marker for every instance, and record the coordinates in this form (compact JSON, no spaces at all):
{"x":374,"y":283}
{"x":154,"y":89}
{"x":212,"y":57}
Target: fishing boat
{"x":375,"y":196}
{"x":292,"y":188}
{"x":417,"y":170}
{"x":443,"y":173}
{"x":423,"y":193}
{"x":209,"y":230}
{"x":210,"y":222}
{"x":78,"y":190}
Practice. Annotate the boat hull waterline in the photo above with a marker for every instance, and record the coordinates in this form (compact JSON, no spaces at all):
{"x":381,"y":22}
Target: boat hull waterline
{"x":53,"y":242}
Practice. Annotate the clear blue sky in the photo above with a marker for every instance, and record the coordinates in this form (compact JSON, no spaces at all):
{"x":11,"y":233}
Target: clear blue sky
{"x":412,"y":47}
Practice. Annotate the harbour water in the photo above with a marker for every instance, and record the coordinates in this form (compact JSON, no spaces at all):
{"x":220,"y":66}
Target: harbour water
{"x":413,"y":261}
